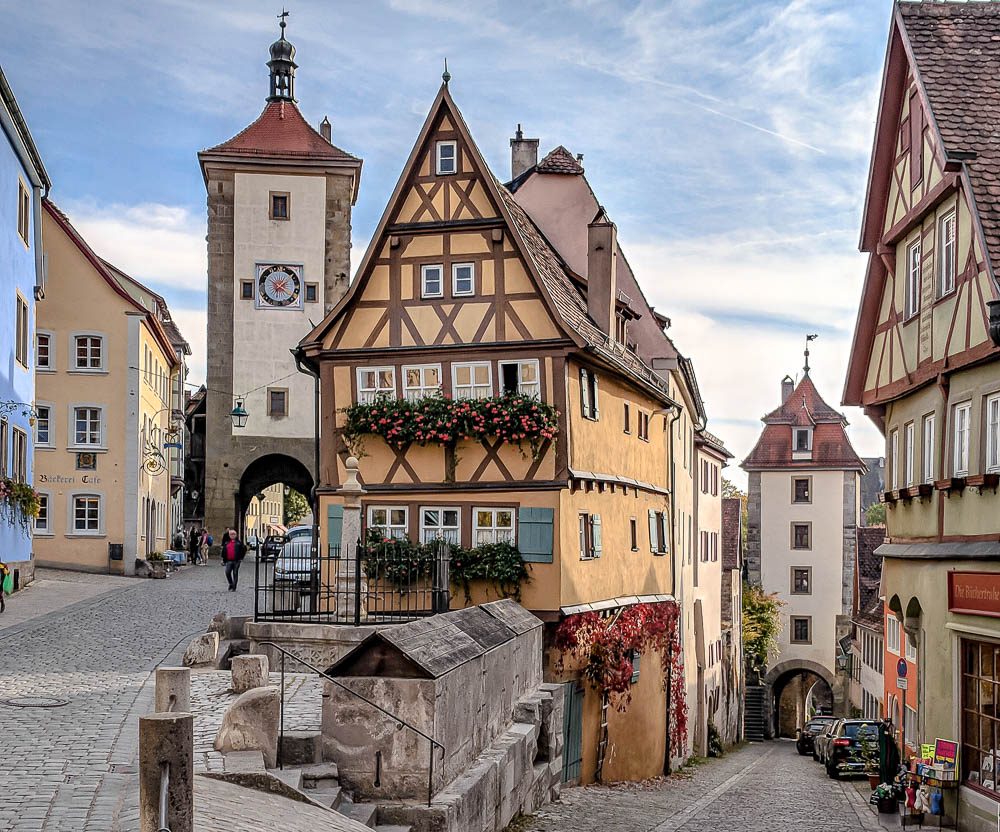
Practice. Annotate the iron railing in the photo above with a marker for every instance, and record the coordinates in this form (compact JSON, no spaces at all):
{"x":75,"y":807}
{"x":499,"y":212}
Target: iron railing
{"x":390,"y":581}
{"x":400,"y":722}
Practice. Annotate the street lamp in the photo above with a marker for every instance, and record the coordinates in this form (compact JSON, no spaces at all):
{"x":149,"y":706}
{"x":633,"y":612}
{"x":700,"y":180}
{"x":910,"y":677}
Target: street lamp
{"x":239,"y":415}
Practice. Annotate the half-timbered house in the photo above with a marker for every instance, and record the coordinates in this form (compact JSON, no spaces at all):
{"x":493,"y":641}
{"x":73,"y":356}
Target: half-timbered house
{"x":462,"y":297}
{"x":925,"y":367}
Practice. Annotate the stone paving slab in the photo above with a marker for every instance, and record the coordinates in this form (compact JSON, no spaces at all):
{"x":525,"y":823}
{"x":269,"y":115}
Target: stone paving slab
{"x":55,"y":589}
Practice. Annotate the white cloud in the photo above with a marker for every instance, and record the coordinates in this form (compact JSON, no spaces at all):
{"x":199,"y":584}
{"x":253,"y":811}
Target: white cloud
{"x":193,"y":324}
{"x":163,"y":245}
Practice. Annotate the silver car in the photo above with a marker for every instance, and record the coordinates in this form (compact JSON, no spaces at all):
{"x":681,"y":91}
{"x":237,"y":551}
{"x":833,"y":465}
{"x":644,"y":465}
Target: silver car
{"x":295,"y":562}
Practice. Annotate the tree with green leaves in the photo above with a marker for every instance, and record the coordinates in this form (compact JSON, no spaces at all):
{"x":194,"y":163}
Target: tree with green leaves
{"x":296,"y":507}
{"x":761,"y":625}
{"x":875,"y":514}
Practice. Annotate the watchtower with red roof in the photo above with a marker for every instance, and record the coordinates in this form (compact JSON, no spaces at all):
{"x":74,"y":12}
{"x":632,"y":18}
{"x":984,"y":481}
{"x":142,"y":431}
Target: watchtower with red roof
{"x":280,"y":195}
{"x":802,"y":517}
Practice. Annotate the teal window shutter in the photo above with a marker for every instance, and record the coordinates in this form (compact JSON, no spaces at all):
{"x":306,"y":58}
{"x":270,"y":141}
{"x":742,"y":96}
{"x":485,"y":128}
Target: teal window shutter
{"x":334,"y":524}
{"x":535,"y":534}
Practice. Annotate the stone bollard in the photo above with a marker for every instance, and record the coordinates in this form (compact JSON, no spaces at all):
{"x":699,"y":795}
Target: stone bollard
{"x":202,"y":650}
{"x":173,"y":690}
{"x":249,"y":672}
{"x":166,"y":743}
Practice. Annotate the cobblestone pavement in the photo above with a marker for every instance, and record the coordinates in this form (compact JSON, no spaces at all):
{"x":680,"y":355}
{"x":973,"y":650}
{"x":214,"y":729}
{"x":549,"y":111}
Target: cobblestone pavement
{"x":71,"y":768}
{"x":762,"y":788}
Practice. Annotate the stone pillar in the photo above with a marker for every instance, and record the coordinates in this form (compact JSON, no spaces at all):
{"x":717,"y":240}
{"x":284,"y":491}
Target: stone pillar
{"x":249,"y":672}
{"x":166,"y":743}
{"x":352,"y":492}
{"x":173,"y":690}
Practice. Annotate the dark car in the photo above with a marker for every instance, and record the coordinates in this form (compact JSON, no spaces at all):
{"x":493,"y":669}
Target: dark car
{"x":271,"y":547}
{"x":805,"y":742}
{"x":845,"y":751}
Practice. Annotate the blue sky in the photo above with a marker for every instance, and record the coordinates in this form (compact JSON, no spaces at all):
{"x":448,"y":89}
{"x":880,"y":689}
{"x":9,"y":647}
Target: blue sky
{"x":728,"y":139}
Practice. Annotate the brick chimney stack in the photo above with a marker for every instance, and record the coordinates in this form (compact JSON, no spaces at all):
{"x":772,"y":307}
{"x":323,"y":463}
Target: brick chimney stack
{"x":326,"y":129}
{"x":787,"y":385}
{"x":523,"y":154}
{"x":602,"y":271}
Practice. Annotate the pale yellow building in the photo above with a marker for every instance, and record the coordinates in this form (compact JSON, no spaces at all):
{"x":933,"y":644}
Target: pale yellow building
{"x":106,"y":370}
{"x":265,"y":514}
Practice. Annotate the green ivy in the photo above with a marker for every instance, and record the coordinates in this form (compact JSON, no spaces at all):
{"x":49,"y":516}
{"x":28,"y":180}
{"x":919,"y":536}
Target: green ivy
{"x":513,"y":418}
{"x":761,"y":625}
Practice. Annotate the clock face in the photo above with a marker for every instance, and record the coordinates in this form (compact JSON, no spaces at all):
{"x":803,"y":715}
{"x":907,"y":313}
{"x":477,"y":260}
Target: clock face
{"x":279,"y":286}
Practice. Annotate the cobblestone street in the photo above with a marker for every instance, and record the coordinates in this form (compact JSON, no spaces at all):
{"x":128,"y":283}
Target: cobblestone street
{"x":70,"y":768}
{"x":761,"y":788}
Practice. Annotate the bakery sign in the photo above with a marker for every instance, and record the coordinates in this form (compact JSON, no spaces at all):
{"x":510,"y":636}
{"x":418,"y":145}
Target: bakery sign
{"x":974,"y":593}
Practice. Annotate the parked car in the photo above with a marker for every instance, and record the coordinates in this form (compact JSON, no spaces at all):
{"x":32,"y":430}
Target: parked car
{"x":296,"y":532}
{"x":845,"y":751}
{"x":822,"y":740}
{"x":253,"y":543}
{"x":295,"y":564}
{"x":271,"y":547}
{"x":804,"y":743}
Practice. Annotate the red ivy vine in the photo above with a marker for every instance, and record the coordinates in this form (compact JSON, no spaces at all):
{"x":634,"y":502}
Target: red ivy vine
{"x":605,"y":647}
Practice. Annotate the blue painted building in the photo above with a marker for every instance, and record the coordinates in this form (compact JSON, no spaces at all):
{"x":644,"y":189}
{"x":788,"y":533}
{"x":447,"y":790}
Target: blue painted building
{"x":23,"y":185}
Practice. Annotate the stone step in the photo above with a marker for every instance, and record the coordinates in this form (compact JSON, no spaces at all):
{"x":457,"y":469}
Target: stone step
{"x":392,"y":827}
{"x":363,"y":813}
{"x":301,"y":748}
{"x":320,"y":775}
{"x":330,"y":798}
{"x":289,"y":776}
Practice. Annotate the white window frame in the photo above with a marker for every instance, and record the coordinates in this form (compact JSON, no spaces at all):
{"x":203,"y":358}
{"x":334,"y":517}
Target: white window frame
{"x":929,"y":447}
{"x":795,"y":441}
{"x":948,"y":251}
{"x":49,"y":420}
{"x":908,"y":467}
{"x":439,"y":158}
{"x":424,"y":291}
{"x":911,"y":650}
{"x":963,"y":428}
{"x":483,"y":391}
{"x":913,"y":266}
{"x":493,"y":533}
{"x":72,"y":530}
{"x":992,"y":431}
{"x":366,"y":395}
{"x":894,"y":462}
{"x":591,"y":536}
{"x":394,"y":531}
{"x":423,"y":389}
{"x":455,"y":291}
{"x":44,"y":512}
{"x":892,"y":631}
{"x":74,"y":366}
{"x":86,"y":446}
{"x":525,"y":388}
{"x":441,"y":530}
{"x":49,"y":366}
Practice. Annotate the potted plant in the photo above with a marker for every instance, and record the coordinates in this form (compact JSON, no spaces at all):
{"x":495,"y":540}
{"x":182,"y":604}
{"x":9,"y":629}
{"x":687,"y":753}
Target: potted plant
{"x":870,"y":756}
{"x":885,"y":798}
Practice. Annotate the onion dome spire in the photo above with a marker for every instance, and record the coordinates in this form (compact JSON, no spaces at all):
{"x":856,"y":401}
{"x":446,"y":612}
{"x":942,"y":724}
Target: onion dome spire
{"x":282,"y":66}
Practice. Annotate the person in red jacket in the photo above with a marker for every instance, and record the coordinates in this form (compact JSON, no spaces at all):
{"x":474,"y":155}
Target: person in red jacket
{"x":233,"y":552}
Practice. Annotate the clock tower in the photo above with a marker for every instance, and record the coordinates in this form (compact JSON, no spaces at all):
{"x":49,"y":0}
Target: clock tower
{"x":279,"y":238}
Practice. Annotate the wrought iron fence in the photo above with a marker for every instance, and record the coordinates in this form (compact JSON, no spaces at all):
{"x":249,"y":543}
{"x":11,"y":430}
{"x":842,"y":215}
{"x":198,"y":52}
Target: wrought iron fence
{"x":377,"y":582}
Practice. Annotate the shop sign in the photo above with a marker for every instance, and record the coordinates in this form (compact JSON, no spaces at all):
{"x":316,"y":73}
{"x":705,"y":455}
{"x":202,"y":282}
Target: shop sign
{"x":62,"y":479}
{"x":974,"y":593}
{"x":945,"y":752}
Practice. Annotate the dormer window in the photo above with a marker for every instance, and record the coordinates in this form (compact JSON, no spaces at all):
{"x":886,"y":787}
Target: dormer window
{"x":801,"y":443}
{"x":447,"y":158}
{"x":621,"y":328}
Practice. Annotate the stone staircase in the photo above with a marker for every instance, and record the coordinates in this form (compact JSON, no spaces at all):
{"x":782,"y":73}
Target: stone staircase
{"x":756,"y":713}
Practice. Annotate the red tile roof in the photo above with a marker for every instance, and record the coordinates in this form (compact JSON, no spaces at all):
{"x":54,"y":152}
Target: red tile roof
{"x":281,"y":131}
{"x":804,"y":408}
{"x":560,"y":160}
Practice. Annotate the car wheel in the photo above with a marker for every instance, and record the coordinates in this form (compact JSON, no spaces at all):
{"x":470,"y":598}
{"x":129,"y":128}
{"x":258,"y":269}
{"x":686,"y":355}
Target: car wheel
{"x":801,"y":750}
{"x":815,"y":756}
{"x":831,"y":772}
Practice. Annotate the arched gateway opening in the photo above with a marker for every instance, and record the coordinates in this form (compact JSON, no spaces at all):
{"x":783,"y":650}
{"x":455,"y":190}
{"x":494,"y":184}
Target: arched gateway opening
{"x":257,"y":512}
{"x":799,"y":690}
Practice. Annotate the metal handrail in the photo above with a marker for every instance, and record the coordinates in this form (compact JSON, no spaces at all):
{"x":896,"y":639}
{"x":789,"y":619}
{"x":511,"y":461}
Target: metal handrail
{"x":400,"y":723}
{"x":164,"y":791}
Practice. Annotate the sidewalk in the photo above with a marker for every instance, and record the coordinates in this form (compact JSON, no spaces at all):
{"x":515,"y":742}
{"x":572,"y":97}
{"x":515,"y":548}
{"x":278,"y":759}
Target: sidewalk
{"x":55,"y":589}
{"x":863,"y":792}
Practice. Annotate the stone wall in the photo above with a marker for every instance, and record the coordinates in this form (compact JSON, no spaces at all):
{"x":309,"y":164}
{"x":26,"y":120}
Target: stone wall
{"x":753,"y":528}
{"x":319,"y":644}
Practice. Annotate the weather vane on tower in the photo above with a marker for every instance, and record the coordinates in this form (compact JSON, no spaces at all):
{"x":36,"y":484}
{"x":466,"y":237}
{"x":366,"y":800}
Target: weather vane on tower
{"x":808,"y":339}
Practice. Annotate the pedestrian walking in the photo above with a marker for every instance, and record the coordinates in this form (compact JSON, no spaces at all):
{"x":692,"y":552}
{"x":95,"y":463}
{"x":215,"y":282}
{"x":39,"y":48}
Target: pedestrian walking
{"x":233,"y":552}
{"x":205,"y":544}
{"x":6,"y":584}
{"x":194,"y":545}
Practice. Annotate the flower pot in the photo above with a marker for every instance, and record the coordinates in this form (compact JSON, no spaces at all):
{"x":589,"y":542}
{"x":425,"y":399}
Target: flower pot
{"x":874,"y":780}
{"x":888,"y":806}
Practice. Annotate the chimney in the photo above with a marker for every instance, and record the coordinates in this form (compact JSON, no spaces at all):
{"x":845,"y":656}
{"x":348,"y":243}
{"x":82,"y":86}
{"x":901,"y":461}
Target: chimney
{"x":787,"y":385}
{"x":523,"y":154}
{"x":325,"y":128}
{"x":602,"y":271}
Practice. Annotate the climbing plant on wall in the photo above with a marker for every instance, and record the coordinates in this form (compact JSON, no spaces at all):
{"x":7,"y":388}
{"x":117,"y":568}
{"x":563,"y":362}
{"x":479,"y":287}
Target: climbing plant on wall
{"x":18,"y":503}
{"x":605,"y":647}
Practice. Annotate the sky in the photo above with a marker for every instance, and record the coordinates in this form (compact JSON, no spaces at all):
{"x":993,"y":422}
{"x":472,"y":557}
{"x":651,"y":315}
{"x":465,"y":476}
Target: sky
{"x":728,"y":140}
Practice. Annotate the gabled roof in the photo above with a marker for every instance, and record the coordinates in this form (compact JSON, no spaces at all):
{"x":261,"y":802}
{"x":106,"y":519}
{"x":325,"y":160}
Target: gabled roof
{"x":281,"y":131}
{"x":433,"y":646}
{"x":109,"y":277}
{"x":162,"y":310}
{"x":560,"y":160}
{"x":552,"y":276}
{"x":804,"y":407}
{"x":22,"y":141}
{"x":712,"y":442}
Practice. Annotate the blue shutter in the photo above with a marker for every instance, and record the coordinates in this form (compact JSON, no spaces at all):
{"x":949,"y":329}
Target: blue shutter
{"x":535,"y":534}
{"x":652,"y":530}
{"x":334,"y":524}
